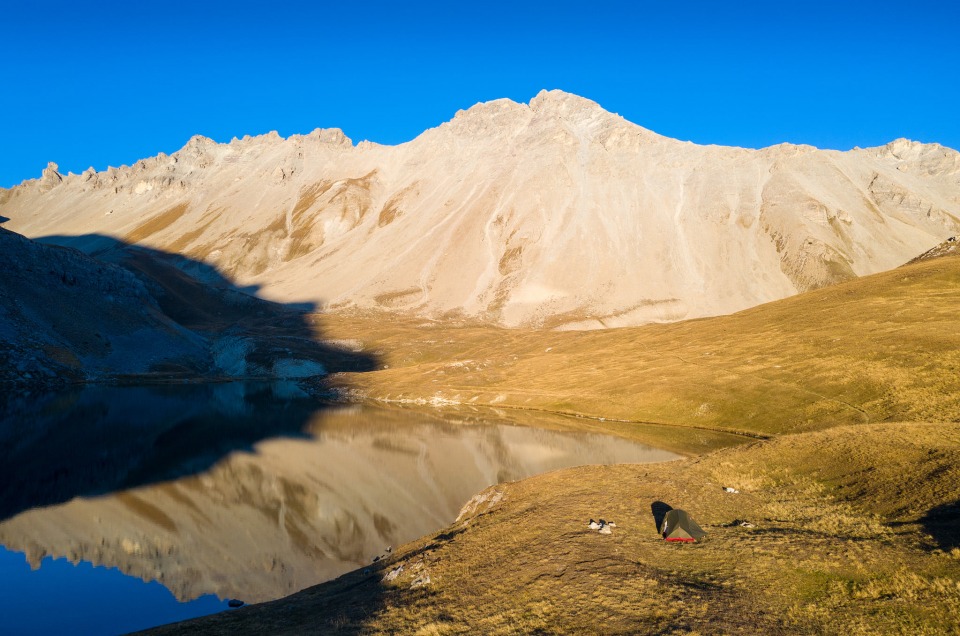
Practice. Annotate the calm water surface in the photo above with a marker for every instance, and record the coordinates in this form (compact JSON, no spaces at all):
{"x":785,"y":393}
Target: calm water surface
{"x":124,"y":508}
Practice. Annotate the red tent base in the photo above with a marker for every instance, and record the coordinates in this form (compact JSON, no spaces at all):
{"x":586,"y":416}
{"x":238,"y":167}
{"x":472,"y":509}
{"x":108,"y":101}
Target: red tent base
{"x":678,"y":540}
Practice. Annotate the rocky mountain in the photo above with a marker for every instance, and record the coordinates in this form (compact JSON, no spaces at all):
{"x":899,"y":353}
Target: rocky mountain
{"x":67,"y":317}
{"x":552,"y":213}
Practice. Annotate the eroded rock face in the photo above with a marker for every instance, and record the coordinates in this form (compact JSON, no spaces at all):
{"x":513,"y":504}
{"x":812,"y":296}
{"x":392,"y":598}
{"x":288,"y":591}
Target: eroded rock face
{"x":553,"y":213}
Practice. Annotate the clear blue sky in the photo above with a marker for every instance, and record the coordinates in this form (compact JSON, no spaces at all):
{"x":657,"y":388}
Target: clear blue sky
{"x":107,"y":83}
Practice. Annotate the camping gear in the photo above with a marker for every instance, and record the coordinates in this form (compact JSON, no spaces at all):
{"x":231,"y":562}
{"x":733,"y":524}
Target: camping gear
{"x":678,"y":526}
{"x":603,"y":526}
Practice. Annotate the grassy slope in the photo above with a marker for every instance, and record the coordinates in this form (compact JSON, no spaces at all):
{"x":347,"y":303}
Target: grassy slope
{"x":854,"y":505}
{"x":885,"y":347}
{"x":824,"y":556}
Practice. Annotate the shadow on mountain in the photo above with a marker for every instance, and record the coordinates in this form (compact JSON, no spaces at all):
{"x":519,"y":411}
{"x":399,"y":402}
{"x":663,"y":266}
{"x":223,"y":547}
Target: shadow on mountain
{"x":943,"y":524}
{"x":184,"y":414}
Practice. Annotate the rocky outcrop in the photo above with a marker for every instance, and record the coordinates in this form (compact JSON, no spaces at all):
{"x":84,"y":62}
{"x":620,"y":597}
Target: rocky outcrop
{"x":552,"y":213}
{"x":66,"y":317}
{"x":950,"y":247}
{"x":50,"y":178}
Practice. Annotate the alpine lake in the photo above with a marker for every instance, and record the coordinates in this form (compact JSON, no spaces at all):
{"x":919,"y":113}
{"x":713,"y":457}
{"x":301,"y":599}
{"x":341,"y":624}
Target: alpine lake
{"x":123,"y":508}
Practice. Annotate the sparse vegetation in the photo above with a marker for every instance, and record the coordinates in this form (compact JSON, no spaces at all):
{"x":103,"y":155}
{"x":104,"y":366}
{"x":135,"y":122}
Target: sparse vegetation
{"x":885,"y":347}
{"x":819,"y":559}
{"x":835,"y":414}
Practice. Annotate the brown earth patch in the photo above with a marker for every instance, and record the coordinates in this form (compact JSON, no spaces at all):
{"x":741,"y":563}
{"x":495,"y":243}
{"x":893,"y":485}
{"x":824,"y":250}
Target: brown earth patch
{"x":392,"y":209}
{"x":156,"y":224}
{"x":397,"y":298}
{"x":146,"y":510}
{"x":180,"y":245}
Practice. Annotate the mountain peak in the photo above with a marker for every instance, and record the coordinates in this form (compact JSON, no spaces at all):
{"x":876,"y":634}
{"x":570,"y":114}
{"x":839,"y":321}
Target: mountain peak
{"x":332,"y":136}
{"x":484,"y":118}
{"x":563,"y":103}
{"x":610,"y":128}
{"x":500,"y":114}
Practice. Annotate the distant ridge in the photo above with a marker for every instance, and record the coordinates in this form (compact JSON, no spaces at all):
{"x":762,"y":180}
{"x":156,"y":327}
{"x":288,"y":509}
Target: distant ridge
{"x":555,"y":213}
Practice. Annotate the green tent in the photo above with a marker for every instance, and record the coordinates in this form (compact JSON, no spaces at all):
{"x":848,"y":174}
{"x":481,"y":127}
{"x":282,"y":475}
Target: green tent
{"x":678,"y":526}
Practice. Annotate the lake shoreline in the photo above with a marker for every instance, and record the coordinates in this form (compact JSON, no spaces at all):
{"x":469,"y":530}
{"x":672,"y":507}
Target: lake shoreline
{"x":155,"y":480}
{"x":539,"y":526}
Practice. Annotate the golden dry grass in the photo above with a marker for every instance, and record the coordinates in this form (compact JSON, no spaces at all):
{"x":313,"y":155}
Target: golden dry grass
{"x":184,"y":241}
{"x":835,"y":414}
{"x":819,"y":559}
{"x":885,"y":347}
{"x":156,"y":223}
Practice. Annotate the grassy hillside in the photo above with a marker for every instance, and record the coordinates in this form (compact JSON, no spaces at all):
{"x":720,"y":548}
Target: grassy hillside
{"x":829,"y":551}
{"x":836,"y":414}
{"x":880,"y":348}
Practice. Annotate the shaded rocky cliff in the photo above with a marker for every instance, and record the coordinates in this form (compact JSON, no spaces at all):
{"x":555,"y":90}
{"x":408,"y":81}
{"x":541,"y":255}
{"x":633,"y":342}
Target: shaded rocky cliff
{"x":65,"y":316}
{"x":136,"y":313}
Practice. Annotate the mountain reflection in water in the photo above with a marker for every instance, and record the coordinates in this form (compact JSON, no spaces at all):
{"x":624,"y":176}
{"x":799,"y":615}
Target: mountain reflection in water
{"x":252,"y":491}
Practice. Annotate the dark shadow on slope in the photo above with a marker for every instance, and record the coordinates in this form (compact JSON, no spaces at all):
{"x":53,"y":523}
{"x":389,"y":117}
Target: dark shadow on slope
{"x":179,"y":417}
{"x":345,"y":606}
{"x":659,"y":510}
{"x":4,"y":219}
{"x":943,"y":524}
